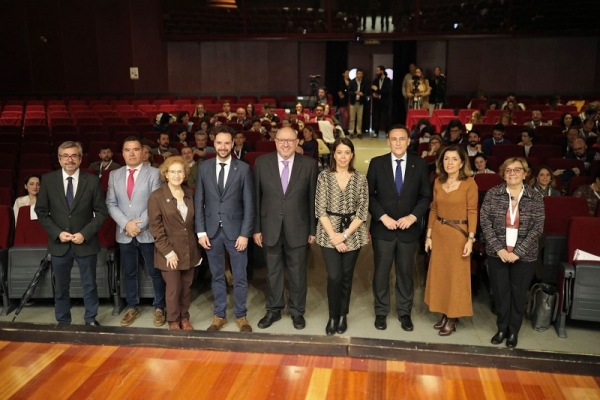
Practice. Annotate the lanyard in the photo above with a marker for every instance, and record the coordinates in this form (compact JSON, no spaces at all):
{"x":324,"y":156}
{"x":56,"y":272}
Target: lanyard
{"x":596,"y":193}
{"x":513,"y":213}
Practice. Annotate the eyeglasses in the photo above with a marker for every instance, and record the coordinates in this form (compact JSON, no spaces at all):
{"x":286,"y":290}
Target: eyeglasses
{"x":73,"y":157}
{"x":178,"y":172}
{"x":286,"y":141}
{"x":509,"y":171}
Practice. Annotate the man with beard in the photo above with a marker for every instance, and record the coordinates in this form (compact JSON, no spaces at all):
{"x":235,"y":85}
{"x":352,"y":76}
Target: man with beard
{"x":107,"y":163}
{"x":164,"y":148}
{"x":381,"y":89}
{"x":474,"y":146}
{"x":224,"y":204}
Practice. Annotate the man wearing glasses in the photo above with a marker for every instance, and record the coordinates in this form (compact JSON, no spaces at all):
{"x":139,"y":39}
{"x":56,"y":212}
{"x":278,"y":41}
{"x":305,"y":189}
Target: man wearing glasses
{"x":70,"y":207}
{"x":285,"y":185}
{"x":129,"y":189}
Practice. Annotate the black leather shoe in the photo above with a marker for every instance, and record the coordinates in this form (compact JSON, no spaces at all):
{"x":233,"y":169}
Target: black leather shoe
{"x":512,"y":341}
{"x":93,"y":323}
{"x":499,"y":337}
{"x":331,"y":327}
{"x":380,"y":322}
{"x":269,"y":318}
{"x":298,"y":321}
{"x":342,"y":325}
{"x":406,"y":323}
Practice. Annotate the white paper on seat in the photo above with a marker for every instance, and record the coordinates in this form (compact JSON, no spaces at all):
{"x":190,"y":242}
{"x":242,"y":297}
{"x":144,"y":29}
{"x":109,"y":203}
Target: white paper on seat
{"x":327,"y":130}
{"x":581,"y":255}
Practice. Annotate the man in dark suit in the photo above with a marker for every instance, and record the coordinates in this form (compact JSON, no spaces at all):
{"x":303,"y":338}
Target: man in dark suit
{"x":399,"y":197}
{"x":70,"y":207}
{"x":224,"y":204}
{"x":285,"y":185}
{"x":381,"y":91}
{"x":357,"y":92}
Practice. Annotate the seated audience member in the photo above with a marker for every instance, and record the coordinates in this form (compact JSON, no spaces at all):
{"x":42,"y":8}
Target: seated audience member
{"x":512,"y":97}
{"x":250,"y":111}
{"x":272,"y":133}
{"x":511,"y":107}
{"x":586,"y":130}
{"x":554,"y":101}
{"x":300,"y":114}
{"x":184,"y":118}
{"x":240,"y":148}
{"x":188,"y":156}
{"x":568,"y":140}
{"x":536,"y":119}
{"x":454,"y":133}
{"x":308,"y":144}
{"x":204,"y":124}
{"x":579,"y":152}
{"x":480,"y":95}
{"x":415,"y":134}
{"x":591,"y":193}
{"x":480,"y":162}
{"x":162,"y":122}
{"x":181,"y":136}
{"x":320,"y":115}
{"x":202,"y":149}
{"x":476,"y":118}
{"x":526,"y":140}
{"x":211,"y":135}
{"x":592,"y":111}
{"x":426,"y":134}
{"x":226,"y":111}
{"x":270,"y":114}
{"x":286,"y":122}
{"x":199,"y":112}
{"x":506,"y":119}
{"x":544,"y":182}
{"x":496,"y":139}
{"x":257,"y":127}
{"x":492,"y":105}
{"x":474,"y":146}
{"x":147,"y":156}
{"x":567,"y":120}
{"x":435,"y":146}
{"x":242,"y":119}
{"x":32,"y":188}
{"x":106,"y":162}
{"x":164,"y":148}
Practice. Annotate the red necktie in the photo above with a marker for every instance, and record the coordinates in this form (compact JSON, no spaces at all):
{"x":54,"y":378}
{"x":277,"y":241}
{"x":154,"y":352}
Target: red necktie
{"x":130,"y":183}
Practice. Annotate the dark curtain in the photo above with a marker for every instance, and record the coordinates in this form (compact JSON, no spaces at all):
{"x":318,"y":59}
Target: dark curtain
{"x":336,"y":61}
{"x":405,"y":53}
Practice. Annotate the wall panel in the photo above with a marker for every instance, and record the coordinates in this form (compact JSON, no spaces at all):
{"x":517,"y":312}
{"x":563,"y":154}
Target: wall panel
{"x":184,"y":67}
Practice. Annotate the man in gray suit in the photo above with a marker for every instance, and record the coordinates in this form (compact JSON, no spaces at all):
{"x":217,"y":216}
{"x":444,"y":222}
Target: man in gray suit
{"x":70,"y":207}
{"x":285,"y":185}
{"x":224,"y":206}
{"x":129,"y":188}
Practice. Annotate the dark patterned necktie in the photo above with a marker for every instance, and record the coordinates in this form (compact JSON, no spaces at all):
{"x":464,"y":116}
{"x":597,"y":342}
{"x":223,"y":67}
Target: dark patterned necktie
{"x":69,"y":195}
{"x":221,"y":182}
{"x":399,"y":180}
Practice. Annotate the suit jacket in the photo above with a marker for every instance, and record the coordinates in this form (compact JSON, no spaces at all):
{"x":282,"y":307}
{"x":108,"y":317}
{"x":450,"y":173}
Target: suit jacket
{"x":191,"y":180}
{"x":95,"y":166}
{"x":123,"y":210}
{"x":171,"y":232}
{"x":415,"y":197}
{"x":353,"y":88}
{"x":233,"y":209}
{"x":385,"y":91}
{"x":86,"y":216}
{"x":293,"y":211}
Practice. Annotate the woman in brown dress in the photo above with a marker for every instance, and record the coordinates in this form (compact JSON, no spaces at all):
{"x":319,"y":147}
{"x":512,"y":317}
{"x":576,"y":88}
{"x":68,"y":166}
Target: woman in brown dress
{"x":450,"y":237}
{"x":176,"y":249}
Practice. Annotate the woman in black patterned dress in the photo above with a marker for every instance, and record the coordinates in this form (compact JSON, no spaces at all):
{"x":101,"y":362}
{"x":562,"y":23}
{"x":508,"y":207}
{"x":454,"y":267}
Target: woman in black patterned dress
{"x":341,"y":205}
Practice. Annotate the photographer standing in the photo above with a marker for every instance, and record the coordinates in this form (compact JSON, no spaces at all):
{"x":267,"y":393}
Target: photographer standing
{"x":438,"y":90}
{"x":418,"y":92}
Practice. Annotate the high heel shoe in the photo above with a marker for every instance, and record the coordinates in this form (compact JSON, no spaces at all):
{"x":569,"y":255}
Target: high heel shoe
{"x":441,"y":322}
{"x":331,"y":327}
{"x":449,"y":327}
{"x":342,"y":325}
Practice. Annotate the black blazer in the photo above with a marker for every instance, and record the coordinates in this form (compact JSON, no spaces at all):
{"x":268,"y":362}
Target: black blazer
{"x":385,"y":91}
{"x":294,"y":211}
{"x":86,"y":217}
{"x":415,"y":197}
{"x":353,"y":88}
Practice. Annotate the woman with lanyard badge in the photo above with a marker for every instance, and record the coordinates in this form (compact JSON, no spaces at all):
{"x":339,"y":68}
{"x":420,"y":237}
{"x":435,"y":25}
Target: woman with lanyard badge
{"x":512,"y":220}
{"x":544,"y":182}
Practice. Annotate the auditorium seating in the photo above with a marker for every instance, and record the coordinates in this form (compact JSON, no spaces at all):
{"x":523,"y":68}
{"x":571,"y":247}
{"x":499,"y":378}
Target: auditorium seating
{"x":7,"y":224}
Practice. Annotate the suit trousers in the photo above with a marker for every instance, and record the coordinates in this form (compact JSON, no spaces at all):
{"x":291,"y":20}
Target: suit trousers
{"x":356,"y":117}
{"x":178,"y":293}
{"x":403,"y":255}
{"x":282,"y":257}
{"x":381,"y":116}
{"x":129,"y":263}
{"x":216,"y":261}
{"x":510,"y":282}
{"x":62,"y":266}
{"x":340,"y":272}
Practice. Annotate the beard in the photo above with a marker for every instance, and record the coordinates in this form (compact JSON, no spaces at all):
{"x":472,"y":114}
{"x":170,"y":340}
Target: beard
{"x":472,"y":144}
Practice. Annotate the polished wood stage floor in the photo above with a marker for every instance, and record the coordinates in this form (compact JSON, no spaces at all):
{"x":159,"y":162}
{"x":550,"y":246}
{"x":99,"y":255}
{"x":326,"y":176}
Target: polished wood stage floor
{"x":60,"y":371}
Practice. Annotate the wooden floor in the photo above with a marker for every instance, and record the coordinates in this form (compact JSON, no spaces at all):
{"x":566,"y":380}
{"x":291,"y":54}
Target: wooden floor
{"x":60,"y":371}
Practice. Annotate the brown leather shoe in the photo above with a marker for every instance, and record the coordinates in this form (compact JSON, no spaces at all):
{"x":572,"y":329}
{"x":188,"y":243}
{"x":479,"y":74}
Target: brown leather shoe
{"x":185,"y":325}
{"x":243,"y":324}
{"x":217,"y":324}
{"x":441,"y":322}
{"x":159,"y":317}
{"x":174,"y":326}
{"x":130,"y":315}
{"x":449,"y":327}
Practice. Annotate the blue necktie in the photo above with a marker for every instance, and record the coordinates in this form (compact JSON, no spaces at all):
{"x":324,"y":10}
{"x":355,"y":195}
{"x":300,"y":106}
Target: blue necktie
{"x":70,"y":192}
{"x":399,"y":180}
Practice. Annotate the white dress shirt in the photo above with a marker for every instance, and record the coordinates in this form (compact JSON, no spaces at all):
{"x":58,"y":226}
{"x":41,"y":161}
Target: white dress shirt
{"x":75,"y":177}
{"x":290,"y":164}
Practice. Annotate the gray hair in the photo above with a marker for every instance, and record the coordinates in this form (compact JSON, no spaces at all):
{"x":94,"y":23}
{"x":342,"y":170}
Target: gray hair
{"x":68,"y":145}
